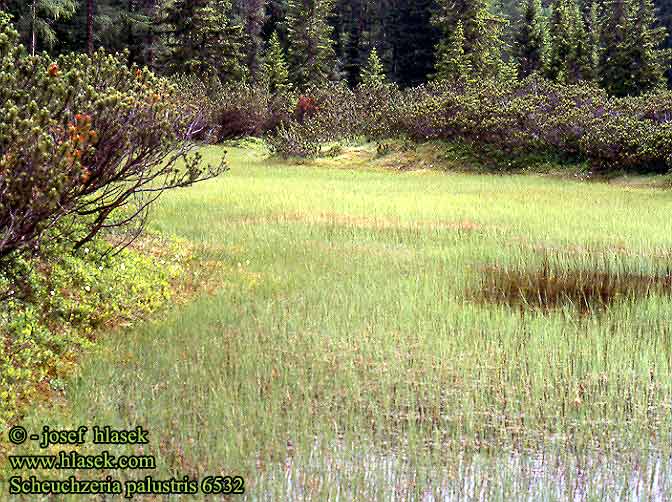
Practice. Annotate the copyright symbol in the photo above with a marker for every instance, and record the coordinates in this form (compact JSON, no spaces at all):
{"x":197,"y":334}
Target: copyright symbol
{"x":17,"y":435}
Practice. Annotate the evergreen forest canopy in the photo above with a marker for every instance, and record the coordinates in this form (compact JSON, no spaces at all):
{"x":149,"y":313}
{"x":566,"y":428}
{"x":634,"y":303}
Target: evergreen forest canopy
{"x":621,"y":45}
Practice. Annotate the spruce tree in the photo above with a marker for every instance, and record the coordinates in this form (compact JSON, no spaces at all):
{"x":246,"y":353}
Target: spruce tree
{"x":580,"y":62}
{"x":569,"y":50}
{"x":593,"y":34}
{"x":202,"y":39}
{"x":482,"y":34}
{"x":617,"y":40}
{"x":90,"y":14}
{"x":560,"y":31}
{"x":531,"y":40}
{"x":35,"y":19}
{"x":406,"y":39}
{"x":311,"y":51}
{"x":350,"y":24}
{"x":649,"y":60}
{"x":275,"y":71}
{"x":253,"y":14}
{"x":664,"y":15}
{"x":453,"y":63}
{"x":373,"y":74}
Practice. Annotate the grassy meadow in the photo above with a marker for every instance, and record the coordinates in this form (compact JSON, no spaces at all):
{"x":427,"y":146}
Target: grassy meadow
{"x":365,"y":334}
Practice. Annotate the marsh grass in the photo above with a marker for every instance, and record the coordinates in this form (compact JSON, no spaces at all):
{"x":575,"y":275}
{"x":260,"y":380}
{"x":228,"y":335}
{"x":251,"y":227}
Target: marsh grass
{"x":343,"y":355}
{"x":591,"y":287}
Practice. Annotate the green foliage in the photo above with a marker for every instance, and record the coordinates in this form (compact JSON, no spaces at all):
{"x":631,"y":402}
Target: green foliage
{"x":531,"y":41}
{"x":275,"y":72}
{"x":618,"y":43}
{"x":633,"y":61}
{"x":253,"y":15}
{"x":296,"y":140}
{"x":566,"y":32}
{"x":339,"y":114}
{"x":238,"y":111}
{"x":373,"y":74}
{"x":453,"y":63}
{"x":55,"y":309}
{"x":650,"y":60}
{"x":532,"y":117}
{"x":311,"y":52}
{"x":405,"y":37}
{"x":615,"y":60}
{"x":579,"y":122}
{"x":593,"y":34}
{"x":36,"y":18}
{"x":201,"y":38}
{"x":579,"y":61}
{"x":83,"y":136}
{"x":482,"y":30}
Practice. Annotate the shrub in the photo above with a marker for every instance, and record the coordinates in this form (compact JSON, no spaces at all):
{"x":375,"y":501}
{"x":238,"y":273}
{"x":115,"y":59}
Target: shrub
{"x":295,"y":140}
{"x":333,"y":113}
{"x":243,"y":110}
{"x":514,"y":118}
{"x":82,"y":137}
{"x":64,"y":299}
{"x":537,"y":116}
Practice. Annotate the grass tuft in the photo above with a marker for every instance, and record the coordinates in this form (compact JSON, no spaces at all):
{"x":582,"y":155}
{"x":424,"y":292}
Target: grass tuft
{"x":557,"y":284}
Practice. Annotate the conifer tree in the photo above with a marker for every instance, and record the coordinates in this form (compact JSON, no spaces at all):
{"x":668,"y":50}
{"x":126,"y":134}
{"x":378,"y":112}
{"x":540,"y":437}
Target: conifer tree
{"x":202,"y":39}
{"x":649,"y":60}
{"x":453,"y":63}
{"x":591,"y":69}
{"x":36,"y":17}
{"x":406,"y":39}
{"x":253,"y":15}
{"x":580,"y":62}
{"x":275,"y":71}
{"x":482,"y":34}
{"x":373,"y":74}
{"x":531,"y":40}
{"x":560,"y":31}
{"x":90,"y":13}
{"x":617,"y":40}
{"x":311,"y":50}
{"x":569,"y":50}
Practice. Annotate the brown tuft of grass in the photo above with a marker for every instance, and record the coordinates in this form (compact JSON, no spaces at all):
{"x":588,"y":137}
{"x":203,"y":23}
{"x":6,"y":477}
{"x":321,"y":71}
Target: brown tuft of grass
{"x":554,"y":286}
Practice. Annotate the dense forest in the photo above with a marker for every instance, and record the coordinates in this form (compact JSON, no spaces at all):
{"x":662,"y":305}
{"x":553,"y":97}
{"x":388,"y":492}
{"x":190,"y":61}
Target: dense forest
{"x":620,"y":44}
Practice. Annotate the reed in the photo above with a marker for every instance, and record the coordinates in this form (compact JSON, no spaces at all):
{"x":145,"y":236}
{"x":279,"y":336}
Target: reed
{"x":404,"y":336}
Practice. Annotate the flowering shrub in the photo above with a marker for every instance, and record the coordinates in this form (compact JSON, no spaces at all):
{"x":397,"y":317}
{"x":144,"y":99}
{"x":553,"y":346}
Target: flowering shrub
{"x":83,"y":137}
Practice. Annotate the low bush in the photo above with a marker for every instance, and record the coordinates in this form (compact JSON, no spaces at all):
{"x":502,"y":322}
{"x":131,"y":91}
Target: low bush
{"x":531,"y":117}
{"x":577,"y":122}
{"x":63,"y":299}
{"x":243,"y":110}
{"x":82,"y":137}
{"x":331,"y":114}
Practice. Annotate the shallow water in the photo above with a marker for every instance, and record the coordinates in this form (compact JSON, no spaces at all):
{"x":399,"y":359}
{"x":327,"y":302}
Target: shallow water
{"x":344,"y":474}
